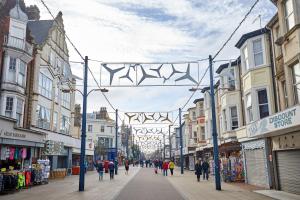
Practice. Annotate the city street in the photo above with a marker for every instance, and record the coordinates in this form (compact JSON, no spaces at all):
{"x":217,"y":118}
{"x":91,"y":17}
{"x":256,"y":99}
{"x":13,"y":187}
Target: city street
{"x":141,"y":183}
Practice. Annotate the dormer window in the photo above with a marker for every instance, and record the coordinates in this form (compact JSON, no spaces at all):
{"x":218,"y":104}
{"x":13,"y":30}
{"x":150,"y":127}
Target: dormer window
{"x":289,"y":14}
{"x":258,"y":52}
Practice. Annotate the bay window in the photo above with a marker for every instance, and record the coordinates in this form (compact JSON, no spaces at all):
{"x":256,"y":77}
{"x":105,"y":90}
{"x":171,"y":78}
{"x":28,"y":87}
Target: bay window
{"x":65,"y":100}
{"x":263,"y":104}
{"x":234,"y":118}
{"x":224,"y":120}
{"x":296,"y":82}
{"x":43,"y":117}
{"x":12,"y":69}
{"x":19,"y":111}
{"x":249,"y":110}
{"x":45,"y":86}
{"x":258,"y":52}
{"x":9,"y":106}
{"x":246,"y":58}
{"x":21,"y":74}
{"x":231,"y":79}
{"x":102,"y":129}
{"x":289,"y":14}
{"x":55,"y":121}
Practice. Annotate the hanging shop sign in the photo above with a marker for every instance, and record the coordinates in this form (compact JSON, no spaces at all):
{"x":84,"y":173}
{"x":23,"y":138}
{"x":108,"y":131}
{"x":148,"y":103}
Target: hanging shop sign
{"x":286,"y":119}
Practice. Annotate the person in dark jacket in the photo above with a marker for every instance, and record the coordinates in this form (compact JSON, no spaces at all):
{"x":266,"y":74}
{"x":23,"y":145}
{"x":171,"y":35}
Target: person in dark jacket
{"x":100,"y":169}
{"x":198,"y":170}
{"x":111,"y":167}
{"x":205,"y":168}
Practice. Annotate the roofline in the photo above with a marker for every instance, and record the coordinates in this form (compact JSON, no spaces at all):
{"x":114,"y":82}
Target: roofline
{"x":197,"y":100}
{"x":249,"y":35}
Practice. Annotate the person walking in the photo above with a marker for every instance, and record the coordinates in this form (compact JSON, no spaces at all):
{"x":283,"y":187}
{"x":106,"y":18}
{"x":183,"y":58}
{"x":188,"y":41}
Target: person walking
{"x":100,"y":169}
{"x":126,"y":167}
{"x":111,"y":167}
{"x":165,"y":168}
{"x":171,"y":167}
{"x":205,"y":168}
{"x":198,"y":170}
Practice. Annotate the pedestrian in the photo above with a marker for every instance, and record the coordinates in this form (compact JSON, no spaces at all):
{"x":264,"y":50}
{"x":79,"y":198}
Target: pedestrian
{"x":116,"y":167}
{"x":198,"y":170}
{"x":155,"y":166}
{"x":100,"y":169}
{"x":126,"y":167}
{"x":205,"y":168}
{"x":171,"y":167}
{"x":165,"y":167}
{"x":111,"y":167}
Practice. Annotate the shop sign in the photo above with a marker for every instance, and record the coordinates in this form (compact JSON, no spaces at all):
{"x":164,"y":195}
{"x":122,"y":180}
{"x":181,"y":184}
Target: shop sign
{"x":12,"y":134}
{"x":279,"y":121}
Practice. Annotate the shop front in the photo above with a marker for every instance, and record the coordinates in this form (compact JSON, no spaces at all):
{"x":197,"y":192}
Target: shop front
{"x":232,"y":165}
{"x":283,"y":130}
{"x":20,"y":155}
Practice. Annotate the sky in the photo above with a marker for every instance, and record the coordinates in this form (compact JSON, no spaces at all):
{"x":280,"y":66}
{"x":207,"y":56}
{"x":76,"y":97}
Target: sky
{"x":152,"y":31}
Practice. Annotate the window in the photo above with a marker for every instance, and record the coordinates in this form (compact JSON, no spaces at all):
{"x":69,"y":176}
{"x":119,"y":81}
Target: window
{"x":12,"y":69}
{"x":202,"y":137}
{"x":231,"y":79}
{"x":283,"y":83}
{"x":43,"y":117}
{"x":45,"y":86}
{"x":296,"y":77}
{"x":55,"y":121}
{"x":102,"y":129}
{"x":224,"y":120}
{"x":90,"y":128}
{"x":9,"y":106}
{"x":249,"y":108}
{"x":289,"y":15}
{"x":65,"y":100}
{"x":19,"y":111}
{"x":194,"y":115}
{"x":263,"y":104}
{"x":246,"y":58}
{"x":65,"y":124}
{"x":195,"y":134}
{"x":234,"y":118}
{"x":258,"y":52}
{"x":21,"y":75}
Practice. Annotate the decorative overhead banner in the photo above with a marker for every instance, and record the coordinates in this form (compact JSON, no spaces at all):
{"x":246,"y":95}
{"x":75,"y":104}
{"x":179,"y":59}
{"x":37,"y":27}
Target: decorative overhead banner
{"x":135,"y":75}
{"x":144,"y":118}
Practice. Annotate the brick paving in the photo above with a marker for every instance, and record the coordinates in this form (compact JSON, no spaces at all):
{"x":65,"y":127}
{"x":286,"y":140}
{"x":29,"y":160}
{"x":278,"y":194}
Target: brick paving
{"x":205,"y":190}
{"x":67,"y":188}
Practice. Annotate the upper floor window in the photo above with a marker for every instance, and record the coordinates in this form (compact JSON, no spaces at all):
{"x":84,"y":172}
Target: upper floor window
{"x":55,"y":121}
{"x":263,"y":104}
{"x":234,"y":118}
{"x":296,"y":77}
{"x":102,"y":129}
{"x":12,"y":69}
{"x":194,"y":115}
{"x":289,"y":14}
{"x":246,"y":58}
{"x":65,"y":124}
{"x":43,"y":117}
{"x":231,"y":79}
{"x":258,"y":52}
{"x":66,"y":100}
{"x":19,"y":111}
{"x":90,"y":128}
{"x":249,"y":110}
{"x":21,"y":74}
{"x":45,"y":86}
{"x":224,"y":120}
{"x":9,"y":106}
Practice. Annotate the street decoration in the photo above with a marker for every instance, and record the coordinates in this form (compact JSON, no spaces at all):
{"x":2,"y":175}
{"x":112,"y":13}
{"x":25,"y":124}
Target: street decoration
{"x":152,"y":117}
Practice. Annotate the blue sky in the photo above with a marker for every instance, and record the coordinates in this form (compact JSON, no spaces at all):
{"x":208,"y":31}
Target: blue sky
{"x":144,"y":30}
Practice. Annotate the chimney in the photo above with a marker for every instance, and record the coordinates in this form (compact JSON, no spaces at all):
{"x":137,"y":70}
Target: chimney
{"x":103,"y":113}
{"x":33,"y":12}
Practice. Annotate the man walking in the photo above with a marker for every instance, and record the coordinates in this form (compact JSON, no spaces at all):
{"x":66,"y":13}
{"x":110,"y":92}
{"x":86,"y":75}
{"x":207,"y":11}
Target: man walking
{"x":165,"y":167}
{"x":198,"y":170}
{"x":111,"y":167}
{"x":205,"y":168}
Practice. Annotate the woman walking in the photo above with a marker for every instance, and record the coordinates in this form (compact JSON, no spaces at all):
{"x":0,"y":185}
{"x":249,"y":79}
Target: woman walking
{"x":126,"y":167}
{"x":100,"y":169}
{"x":171,"y":167}
{"x":198,"y":170}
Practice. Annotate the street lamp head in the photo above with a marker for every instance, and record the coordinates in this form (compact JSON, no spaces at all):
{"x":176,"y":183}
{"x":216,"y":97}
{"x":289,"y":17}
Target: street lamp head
{"x":104,"y":90}
{"x":66,"y":90}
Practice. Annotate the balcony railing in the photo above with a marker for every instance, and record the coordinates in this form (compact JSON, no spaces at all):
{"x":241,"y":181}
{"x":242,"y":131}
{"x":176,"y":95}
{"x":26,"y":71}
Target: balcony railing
{"x":14,"y":42}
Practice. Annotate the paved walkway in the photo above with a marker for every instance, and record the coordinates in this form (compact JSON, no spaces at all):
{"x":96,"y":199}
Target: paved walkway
{"x":67,"y":188}
{"x":149,"y":186}
{"x":205,"y":190}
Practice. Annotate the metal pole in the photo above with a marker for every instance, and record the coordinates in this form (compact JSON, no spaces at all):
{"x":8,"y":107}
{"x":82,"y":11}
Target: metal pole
{"x":170,"y":142}
{"x":214,"y":124}
{"x":127,"y":138}
{"x":83,"y":127}
{"x":164,"y":147}
{"x":181,"y":142}
{"x":116,"y":156}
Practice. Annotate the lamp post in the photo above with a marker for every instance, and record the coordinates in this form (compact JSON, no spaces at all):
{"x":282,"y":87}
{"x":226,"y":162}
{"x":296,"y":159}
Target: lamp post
{"x":170,"y":147}
{"x":181,"y":142}
{"x":116,"y":156}
{"x":214,"y":125}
